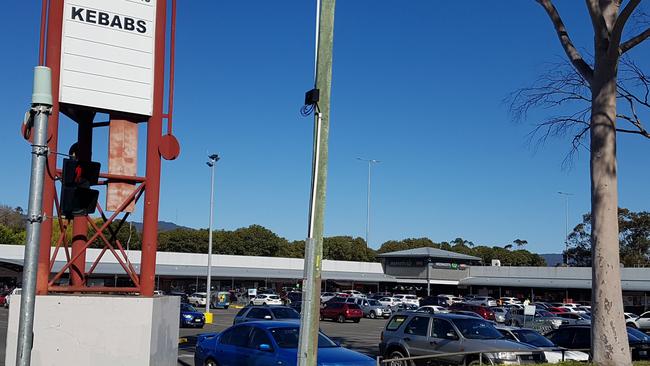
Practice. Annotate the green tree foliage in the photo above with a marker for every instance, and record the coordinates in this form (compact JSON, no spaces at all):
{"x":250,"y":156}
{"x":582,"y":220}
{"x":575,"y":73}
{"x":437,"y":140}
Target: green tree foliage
{"x":459,"y":245}
{"x":12,"y":225}
{"x":410,"y":243}
{"x":634,"y":239}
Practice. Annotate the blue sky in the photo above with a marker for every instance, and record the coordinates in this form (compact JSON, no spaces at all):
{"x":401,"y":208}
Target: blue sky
{"x":418,"y":85}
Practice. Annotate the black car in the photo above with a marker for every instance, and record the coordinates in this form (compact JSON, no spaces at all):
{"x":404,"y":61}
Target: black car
{"x":257,"y":313}
{"x":434,"y":300}
{"x":578,"y":337}
{"x":296,"y":305}
{"x":180,"y":294}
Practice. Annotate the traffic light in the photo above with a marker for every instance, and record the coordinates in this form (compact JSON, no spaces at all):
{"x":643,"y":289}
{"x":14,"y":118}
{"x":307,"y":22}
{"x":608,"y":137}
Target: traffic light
{"x":77,"y":198}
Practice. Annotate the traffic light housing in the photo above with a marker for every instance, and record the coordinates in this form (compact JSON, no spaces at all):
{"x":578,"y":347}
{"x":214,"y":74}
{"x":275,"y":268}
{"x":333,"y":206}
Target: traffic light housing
{"x":77,"y":198}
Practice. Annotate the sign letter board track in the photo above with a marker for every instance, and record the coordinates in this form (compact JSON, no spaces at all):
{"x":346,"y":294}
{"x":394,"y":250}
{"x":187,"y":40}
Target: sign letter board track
{"x":107,"y":56}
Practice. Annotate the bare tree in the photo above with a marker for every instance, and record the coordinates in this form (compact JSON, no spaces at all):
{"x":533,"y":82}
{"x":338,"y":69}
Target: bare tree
{"x":598,"y":85}
{"x":564,"y":88}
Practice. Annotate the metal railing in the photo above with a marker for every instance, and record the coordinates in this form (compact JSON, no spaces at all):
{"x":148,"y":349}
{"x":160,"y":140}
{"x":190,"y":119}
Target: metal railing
{"x":483,"y":357}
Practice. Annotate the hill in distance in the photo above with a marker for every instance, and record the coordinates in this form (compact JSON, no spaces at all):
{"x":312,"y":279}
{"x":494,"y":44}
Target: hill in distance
{"x":162,"y":226}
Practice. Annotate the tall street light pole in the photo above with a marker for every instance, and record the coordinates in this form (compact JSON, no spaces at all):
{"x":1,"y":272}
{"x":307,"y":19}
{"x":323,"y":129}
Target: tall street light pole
{"x":212,"y":162}
{"x":370,"y":162}
{"x":566,"y":225}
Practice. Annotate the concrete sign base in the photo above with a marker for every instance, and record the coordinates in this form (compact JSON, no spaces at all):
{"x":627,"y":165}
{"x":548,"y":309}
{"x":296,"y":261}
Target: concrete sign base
{"x":100,"y":330}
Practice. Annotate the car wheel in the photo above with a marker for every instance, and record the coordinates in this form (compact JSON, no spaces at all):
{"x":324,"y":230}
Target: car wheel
{"x":398,"y":354}
{"x":341,"y":319}
{"x":356,"y":320}
{"x":372,"y":315}
{"x":632,"y":325}
{"x":225,"y":307}
{"x":252,"y":303}
{"x":265,"y":304}
{"x":476,"y":363}
{"x":210,"y":362}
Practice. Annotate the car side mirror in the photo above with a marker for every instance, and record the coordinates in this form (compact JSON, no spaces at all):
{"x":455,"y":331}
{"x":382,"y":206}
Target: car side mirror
{"x":265,"y":348}
{"x":268,"y":317}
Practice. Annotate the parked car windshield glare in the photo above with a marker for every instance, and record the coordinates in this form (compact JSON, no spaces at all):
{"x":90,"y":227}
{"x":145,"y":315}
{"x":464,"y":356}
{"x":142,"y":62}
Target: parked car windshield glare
{"x":188,"y":307}
{"x":288,"y":338}
{"x":533,"y":338}
{"x":284,"y":313}
{"x":477,"y":329}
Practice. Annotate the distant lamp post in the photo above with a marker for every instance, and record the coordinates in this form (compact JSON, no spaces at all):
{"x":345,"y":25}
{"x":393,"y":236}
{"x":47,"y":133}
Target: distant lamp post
{"x":212,"y":162}
{"x":370,"y":162}
{"x":566,"y":226}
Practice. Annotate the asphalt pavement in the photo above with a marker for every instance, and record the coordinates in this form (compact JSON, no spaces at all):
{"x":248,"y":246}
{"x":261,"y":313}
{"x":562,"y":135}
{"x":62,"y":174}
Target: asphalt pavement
{"x":362,"y":337}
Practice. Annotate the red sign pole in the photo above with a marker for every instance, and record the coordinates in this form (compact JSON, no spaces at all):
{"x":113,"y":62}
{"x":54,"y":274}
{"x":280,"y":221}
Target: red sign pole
{"x":53,"y":61}
{"x":154,"y":133}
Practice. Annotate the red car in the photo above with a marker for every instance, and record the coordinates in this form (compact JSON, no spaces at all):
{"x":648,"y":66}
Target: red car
{"x":341,"y":312}
{"x":557,"y":310}
{"x":483,"y":311}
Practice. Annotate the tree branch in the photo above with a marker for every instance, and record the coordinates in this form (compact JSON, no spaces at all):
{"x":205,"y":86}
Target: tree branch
{"x":630,"y":43}
{"x":623,"y":17}
{"x":572,"y":53}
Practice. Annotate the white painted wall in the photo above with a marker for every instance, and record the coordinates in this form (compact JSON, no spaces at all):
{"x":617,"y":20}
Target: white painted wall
{"x":100,"y":331}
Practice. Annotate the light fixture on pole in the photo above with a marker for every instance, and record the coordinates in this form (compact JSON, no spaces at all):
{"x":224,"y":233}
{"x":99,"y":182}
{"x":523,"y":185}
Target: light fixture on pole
{"x":370,"y":162}
{"x":566,"y":226}
{"x":212,"y":162}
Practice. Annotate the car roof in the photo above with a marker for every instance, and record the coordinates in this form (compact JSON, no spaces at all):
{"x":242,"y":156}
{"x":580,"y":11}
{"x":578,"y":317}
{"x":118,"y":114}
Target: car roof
{"x":267,"y":324}
{"x":449,"y":316}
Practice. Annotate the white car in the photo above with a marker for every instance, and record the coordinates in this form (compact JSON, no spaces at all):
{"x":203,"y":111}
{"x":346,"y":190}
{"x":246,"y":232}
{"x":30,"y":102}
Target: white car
{"x":432,"y":309}
{"x":630,"y":316}
{"x":483,"y":301}
{"x":510,"y":300}
{"x":16,"y":291}
{"x":642,"y":322}
{"x":266,"y":299}
{"x":450,"y":299}
{"x":197,"y":298}
{"x":326,"y":296}
{"x":353,"y":293}
{"x":389,"y":301}
{"x":408,"y":299}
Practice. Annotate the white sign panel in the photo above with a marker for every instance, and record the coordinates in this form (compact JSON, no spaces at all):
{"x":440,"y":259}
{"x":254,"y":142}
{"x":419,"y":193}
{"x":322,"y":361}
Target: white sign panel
{"x":107,"y":54}
{"x":530,"y":309}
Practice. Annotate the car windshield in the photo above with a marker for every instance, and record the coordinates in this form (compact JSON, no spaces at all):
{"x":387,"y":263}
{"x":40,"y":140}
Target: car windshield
{"x":533,"y":338}
{"x":188,"y":307}
{"x":274,"y":297}
{"x":373,"y":303}
{"x":477,"y":329}
{"x":585,"y":316}
{"x":200,"y":296}
{"x":544,"y":314}
{"x":411,"y":297}
{"x":285,"y":313}
{"x":288,"y":338}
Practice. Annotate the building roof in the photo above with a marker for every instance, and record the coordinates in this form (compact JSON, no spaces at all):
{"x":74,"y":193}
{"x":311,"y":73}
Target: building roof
{"x":428,"y":252}
{"x":224,"y":266}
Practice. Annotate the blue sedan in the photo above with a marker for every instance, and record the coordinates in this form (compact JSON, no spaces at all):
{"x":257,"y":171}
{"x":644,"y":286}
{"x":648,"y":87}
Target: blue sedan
{"x":268,"y":343}
{"x":190,"y":317}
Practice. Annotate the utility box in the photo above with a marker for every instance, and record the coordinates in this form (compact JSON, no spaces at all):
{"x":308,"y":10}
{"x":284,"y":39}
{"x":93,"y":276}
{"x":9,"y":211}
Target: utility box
{"x":100,"y":330}
{"x":496,"y":263}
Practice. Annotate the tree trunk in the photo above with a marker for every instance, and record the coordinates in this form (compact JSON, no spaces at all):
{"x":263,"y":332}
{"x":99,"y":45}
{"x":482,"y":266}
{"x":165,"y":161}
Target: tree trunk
{"x":608,"y":332}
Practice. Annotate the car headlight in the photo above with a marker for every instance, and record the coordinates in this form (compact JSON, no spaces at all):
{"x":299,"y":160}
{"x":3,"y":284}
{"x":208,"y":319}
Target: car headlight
{"x":503,"y":356}
{"x":187,"y":316}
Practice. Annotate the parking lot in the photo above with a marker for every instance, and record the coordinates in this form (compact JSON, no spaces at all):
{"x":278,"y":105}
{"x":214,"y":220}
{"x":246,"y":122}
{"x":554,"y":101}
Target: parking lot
{"x":362,"y":337}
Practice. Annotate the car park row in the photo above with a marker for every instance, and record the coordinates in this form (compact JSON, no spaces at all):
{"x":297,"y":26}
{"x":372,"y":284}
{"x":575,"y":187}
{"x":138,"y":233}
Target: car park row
{"x":445,"y":329}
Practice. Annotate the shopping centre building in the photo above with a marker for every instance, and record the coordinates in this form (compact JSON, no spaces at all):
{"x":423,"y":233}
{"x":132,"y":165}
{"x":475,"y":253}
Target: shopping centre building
{"x":408,"y":271}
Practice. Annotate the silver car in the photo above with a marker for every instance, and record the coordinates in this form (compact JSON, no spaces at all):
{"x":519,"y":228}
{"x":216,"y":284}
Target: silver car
{"x":371,"y":307}
{"x":411,"y":334}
